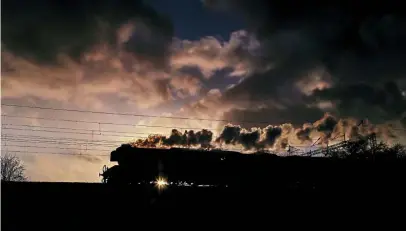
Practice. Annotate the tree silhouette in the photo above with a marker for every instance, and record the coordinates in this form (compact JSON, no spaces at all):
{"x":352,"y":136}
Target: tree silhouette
{"x":361,"y":149}
{"x":12,"y":168}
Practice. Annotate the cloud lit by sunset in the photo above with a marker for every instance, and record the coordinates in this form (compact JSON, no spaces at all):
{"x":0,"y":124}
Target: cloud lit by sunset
{"x":161,"y":74}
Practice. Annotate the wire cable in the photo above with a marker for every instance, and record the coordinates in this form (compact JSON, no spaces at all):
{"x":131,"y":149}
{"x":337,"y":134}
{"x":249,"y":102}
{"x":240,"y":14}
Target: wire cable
{"x":59,"y":143}
{"x":57,"y":153}
{"x":78,"y":129}
{"x":78,"y":133}
{"x":104,"y":123}
{"x":30,"y":146}
{"x":130,"y":114}
{"x":65,"y":138}
{"x":143,"y":125}
{"x":99,"y":132}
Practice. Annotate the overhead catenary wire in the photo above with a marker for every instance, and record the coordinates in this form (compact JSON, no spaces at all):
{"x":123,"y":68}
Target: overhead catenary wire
{"x":9,"y":137}
{"x":65,"y":138}
{"x":85,"y":142}
{"x":57,"y":153}
{"x":144,"y":125}
{"x":76,"y":129}
{"x":77,"y":133}
{"x":62,"y":148}
{"x":88,"y":141}
{"x":33,"y":146}
{"x":25,"y":139}
{"x":59,"y":142}
{"x":99,"y":132}
{"x":62,"y":141}
{"x":103,"y":123}
{"x":134,"y":115}
{"x":10,"y":140}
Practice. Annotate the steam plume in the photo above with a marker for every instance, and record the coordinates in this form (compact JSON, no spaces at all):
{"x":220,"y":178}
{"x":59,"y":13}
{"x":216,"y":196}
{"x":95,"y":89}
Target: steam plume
{"x":327,"y":130}
{"x":189,"y":138}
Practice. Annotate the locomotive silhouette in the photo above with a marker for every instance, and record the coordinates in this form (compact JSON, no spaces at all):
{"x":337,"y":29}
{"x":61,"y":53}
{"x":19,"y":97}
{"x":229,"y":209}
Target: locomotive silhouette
{"x":143,"y":165}
{"x":137,"y":165}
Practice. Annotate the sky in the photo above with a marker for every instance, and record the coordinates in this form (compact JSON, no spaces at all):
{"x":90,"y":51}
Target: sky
{"x":255,"y":73}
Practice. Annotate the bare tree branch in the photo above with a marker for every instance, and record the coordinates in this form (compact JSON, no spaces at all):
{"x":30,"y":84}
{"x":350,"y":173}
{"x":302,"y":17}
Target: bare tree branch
{"x":12,"y":168}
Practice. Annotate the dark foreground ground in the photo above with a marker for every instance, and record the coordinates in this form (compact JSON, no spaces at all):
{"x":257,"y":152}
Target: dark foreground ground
{"x":86,"y":206}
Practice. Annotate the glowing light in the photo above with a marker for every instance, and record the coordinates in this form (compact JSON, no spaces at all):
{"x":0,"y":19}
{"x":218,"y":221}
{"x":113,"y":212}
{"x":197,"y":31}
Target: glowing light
{"x":161,"y":182}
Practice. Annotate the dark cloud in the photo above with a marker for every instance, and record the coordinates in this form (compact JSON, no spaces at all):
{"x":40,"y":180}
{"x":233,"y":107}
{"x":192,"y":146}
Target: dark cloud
{"x":295,"y":114}
{"x":403,"y":121}
{"x":342,"y":25}
{"x":354,"y":43}
{"x":385,"y":102}
{"x":186,"y":84}
{"x":326,"y":124}
{"x":211,"y":54}
{"x":42,"y":30}
{"x":192,"y":71}
{"x":120,"y":50}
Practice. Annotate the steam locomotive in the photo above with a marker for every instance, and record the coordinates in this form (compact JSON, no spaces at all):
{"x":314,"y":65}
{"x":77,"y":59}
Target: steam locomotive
{"x":202,"y":167}
{"x":227,"y":168}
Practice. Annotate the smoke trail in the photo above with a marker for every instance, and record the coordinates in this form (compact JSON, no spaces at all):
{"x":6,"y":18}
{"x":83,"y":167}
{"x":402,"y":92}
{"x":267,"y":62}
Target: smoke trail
{"x":327,"y":130}
{"x":189,"y":138}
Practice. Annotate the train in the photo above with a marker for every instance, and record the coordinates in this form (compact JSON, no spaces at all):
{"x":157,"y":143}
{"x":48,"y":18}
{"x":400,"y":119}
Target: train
{"x":197,"y":166}
{"x":137,"y":165}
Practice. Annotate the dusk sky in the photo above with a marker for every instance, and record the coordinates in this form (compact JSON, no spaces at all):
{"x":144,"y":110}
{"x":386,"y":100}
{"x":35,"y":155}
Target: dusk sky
{"x":287,"y":72}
